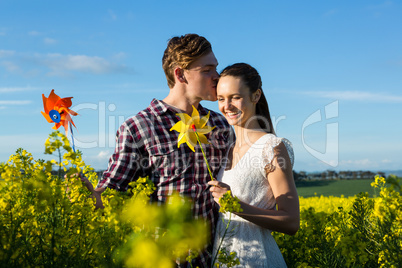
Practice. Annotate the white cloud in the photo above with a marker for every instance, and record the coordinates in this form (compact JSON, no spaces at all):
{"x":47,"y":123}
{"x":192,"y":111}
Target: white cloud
{"x":34,"y":33}
{"x":14,"y":89}
{"x":385,"y":4}
{"x":60,"y":64}
{"x":49,"y":41}
{"x":119,"y":56}
{"x":330,"y":12}
{"x":355,"y":96}
{"x":10,"y":66}
{"x":2,"y":31}
{"x":6,"y":53}
{"x":368,"y":164}
{"x":380,"y":9}
{"x":15,"y":102}
{"x":112,"y":14}
{"x":364,"y":163}
{"x":103,"y":155}
{"x":98,"y":160}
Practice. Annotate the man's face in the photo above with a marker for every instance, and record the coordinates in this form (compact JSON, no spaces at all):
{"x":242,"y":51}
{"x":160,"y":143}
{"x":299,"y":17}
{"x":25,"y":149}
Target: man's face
{"x":202,"y":78}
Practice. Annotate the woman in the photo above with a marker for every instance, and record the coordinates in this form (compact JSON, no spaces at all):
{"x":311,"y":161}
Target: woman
{"x":259,"y":172}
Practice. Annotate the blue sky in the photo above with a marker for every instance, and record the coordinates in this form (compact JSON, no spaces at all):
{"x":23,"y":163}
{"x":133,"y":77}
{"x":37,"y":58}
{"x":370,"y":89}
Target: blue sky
{"x":331,"y":70}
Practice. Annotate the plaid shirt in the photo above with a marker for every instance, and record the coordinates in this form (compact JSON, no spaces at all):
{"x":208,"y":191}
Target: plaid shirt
{"x":145,"y":146}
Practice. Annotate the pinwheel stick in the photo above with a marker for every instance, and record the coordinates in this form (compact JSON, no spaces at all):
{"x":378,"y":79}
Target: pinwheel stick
{"x":202,"y":150}
{"x":72,"y":136}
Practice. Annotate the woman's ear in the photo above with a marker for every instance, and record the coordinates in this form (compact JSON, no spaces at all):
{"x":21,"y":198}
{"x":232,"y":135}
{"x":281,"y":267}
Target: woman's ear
{"x":179,"y":74}
{"x":256,"y":96}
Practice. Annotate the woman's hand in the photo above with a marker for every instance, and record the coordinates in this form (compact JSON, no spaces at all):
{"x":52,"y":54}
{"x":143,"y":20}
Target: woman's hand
{"x":218,"y":189}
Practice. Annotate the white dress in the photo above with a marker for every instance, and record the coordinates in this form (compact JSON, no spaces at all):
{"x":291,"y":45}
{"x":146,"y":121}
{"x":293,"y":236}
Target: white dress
{"x":254,"y":245}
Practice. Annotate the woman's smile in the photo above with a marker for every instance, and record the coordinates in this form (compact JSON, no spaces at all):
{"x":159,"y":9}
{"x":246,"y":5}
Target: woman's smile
{"x":233,"y":115}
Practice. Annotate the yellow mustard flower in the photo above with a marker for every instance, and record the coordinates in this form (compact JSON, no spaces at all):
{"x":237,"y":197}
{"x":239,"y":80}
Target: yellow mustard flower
{"x":229,"y":203}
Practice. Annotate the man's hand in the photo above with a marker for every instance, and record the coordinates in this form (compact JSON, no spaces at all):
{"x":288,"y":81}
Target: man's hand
{"x":95,"y":193}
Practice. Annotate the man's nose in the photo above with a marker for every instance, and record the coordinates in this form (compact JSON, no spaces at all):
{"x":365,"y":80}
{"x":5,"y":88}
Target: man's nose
{"x":215,"y":75}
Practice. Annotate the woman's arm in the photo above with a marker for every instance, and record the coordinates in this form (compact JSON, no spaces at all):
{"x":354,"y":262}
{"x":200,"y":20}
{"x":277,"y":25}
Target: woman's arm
{"x":287,"y":218}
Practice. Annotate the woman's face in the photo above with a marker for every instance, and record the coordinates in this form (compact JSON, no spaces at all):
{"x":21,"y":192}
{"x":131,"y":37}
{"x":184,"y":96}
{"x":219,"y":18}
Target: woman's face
{"x":235,"y":101}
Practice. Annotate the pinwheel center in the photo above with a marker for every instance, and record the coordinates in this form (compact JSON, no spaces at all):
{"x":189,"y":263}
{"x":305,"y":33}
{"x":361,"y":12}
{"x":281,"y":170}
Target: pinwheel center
{"x":55,"y":116}
{"x":193,"y":127}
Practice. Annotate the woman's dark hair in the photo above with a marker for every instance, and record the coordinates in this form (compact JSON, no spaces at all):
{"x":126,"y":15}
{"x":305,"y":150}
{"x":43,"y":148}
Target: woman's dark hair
{"x":252,"y":80}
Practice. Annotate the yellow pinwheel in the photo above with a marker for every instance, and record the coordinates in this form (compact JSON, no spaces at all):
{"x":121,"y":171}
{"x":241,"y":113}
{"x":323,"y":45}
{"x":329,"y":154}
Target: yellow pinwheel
{"x":193,"y":129}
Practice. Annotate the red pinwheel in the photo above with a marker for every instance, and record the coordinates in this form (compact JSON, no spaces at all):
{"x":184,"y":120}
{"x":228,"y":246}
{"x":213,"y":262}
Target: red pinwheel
{"x":57,"y":110}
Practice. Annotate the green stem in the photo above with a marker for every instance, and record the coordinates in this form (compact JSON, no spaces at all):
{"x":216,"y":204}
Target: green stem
{"x":223,"y":237}
{"x":53,"y":239}
{"x":59,"y":173}
{"x":203,"y":153}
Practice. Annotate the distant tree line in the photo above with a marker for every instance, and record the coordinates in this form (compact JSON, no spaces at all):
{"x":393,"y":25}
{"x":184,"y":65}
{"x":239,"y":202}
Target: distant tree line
{"x":303,"y":175}
{"x":334,"y":175}
{"x":325,"y":175}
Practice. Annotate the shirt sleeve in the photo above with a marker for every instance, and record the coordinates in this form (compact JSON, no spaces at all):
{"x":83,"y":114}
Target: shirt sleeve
{"x":126,"y":163}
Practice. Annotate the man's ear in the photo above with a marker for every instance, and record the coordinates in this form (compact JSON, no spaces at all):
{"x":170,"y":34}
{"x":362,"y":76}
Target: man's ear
{"x":179,"y":74}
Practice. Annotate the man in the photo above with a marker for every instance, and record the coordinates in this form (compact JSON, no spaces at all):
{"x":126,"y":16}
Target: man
{"x":145,"y":146}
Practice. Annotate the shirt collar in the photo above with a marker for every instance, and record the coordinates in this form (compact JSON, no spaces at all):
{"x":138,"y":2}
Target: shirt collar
{"x":159,"y":107}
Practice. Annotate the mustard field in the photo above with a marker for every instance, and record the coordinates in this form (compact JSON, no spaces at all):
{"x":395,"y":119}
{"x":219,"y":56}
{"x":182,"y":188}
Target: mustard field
{"x":50,"y":221}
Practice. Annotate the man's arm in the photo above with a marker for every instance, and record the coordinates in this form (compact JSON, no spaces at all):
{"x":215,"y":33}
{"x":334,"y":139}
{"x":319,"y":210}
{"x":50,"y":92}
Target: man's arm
{"x":96,"y":193}
{"x":125,"y":164}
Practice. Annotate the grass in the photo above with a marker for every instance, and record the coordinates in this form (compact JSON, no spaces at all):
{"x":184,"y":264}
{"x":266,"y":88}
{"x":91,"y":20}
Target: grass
{"x":334,"y":187}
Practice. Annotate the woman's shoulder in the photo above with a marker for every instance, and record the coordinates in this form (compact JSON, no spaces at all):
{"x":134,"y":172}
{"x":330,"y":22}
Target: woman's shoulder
{"x":277,"y":145}
{"x":273,"y":140}
{"x":260,"y":137}
{"x":263,"y":138}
